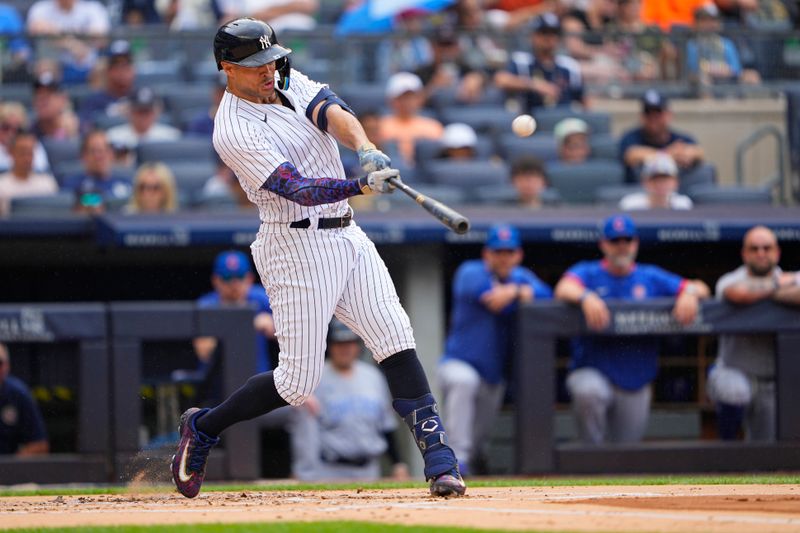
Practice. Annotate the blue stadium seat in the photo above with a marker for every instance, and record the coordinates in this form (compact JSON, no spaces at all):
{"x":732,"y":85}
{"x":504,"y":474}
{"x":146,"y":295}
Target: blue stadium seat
{"x":610,"y":195}
{"x":447,"y":194}
{"x":444,"y":98}
{"x":604,"y":146}
{"x":363,"y":97}
{"x":427,"y":150}
{"x":546,"y":119}
{"x":728,"y":195}
{"x":506,"y":194}
{"x":59,"y":204}
{"x":577,"y":183}
{"x":190,"y":177}
{"x":542,"y":146}
{"x":186,"y":150}
{"x":702,"y":175}
{"x":490,"y":119}
{"x":17,"y":92}
{"x":466,"y":174}
{"x":64,"y":156}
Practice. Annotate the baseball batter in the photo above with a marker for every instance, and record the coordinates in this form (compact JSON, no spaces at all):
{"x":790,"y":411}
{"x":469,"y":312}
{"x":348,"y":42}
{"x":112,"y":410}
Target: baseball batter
{"x":278,"y":130}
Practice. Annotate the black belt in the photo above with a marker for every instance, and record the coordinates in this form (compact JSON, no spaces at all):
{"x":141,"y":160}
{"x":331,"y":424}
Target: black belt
{"x":324,"y":223}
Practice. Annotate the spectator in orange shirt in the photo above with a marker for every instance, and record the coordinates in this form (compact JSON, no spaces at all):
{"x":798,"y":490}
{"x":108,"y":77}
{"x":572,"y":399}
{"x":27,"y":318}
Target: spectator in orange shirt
{"x":668,"y":13}
{"x":404,"y":125}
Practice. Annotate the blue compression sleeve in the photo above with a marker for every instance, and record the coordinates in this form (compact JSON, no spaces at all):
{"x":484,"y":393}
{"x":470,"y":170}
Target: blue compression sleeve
{"x":286,"y":181}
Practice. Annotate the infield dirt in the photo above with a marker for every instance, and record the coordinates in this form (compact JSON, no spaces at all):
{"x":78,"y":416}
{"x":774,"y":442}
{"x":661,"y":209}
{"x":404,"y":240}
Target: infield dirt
{"x":671,"y":508}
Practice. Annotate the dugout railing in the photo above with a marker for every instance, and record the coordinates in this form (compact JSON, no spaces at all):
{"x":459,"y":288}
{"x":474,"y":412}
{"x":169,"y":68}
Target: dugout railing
{"x":543,"y":323}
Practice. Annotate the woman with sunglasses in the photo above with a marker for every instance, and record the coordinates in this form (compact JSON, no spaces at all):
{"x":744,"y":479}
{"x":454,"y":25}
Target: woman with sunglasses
{"x":154,"y":190}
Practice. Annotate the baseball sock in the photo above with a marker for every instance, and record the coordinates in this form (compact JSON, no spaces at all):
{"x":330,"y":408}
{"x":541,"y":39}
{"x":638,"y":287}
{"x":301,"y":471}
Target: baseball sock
{"x":258,"y":396}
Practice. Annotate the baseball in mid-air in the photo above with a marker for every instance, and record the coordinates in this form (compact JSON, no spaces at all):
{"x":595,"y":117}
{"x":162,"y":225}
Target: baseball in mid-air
{"x":524,"y":125}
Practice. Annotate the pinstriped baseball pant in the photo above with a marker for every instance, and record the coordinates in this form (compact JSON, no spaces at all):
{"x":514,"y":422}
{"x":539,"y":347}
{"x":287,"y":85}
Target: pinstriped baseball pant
{"x":311,"y":275}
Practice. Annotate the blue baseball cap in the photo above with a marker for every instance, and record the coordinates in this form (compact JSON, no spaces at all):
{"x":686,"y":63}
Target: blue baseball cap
{"x":619,"y":226}
{"x":503,"y":237}
{"x":231,"y":264}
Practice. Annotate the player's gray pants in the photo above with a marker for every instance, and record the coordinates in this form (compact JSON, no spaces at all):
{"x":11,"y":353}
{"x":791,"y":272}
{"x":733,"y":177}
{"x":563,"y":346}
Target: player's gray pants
{"x":312,"y":274}
{"x":605,"y":413}
{"x":735,"y":387}
{"x":470,"y":407}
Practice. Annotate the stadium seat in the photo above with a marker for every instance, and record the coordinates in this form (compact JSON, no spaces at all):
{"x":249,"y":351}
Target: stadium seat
{"x":577,"y":183}
{"x":728,"y":195}
{"x":427,"y":150}
{"x":17,"y":92}
{"x":63,"y":154}
{"x":604,"y":146}
{"x":542,"y":146}
{"x":190,"y":177}
{"x":702,"y":175}
{"x":489,"y":119}
{"x":466,"y":175}
{"x":186,"y":150}
{"x":610,"y":195}
{"x":506,"y":194}
{"x":447,"y":194}
{"x":546,"y":119}
{"x":215,"y":203}
{"x":363,"y":97}
{"x":58,"y":204}
{"x":444,"y":98}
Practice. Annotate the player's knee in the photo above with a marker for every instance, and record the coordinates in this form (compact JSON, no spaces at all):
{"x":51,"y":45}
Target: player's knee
{"x":730,"y":386}
{"x":589,"y":386}
{"x":296,"y":389}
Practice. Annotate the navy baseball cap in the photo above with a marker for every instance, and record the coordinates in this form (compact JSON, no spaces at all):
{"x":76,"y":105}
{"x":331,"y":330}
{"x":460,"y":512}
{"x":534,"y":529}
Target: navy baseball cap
{"x":338,"y":332}
{"x":503,"y":237}
{"x":231,"y":264}
{"x":546,"y":23}
{"x":619,"y":226}
{"x":653,"y":100}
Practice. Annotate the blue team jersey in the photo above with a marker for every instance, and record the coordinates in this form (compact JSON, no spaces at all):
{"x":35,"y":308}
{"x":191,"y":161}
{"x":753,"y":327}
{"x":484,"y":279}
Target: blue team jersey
{"x":257,"y":296}
{"x":20,"y":419}
{"x":629,"y":362}
{"x":478,"y":336}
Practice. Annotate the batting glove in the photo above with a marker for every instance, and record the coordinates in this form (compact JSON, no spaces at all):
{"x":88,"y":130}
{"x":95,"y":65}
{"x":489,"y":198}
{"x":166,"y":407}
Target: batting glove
{"x":372,"y":159}
{"x":378,"y":180}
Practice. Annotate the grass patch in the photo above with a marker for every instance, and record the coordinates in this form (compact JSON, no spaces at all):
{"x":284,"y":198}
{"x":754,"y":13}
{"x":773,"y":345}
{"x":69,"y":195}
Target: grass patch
{"x":754,"y":479}
{"x":285,"y":527}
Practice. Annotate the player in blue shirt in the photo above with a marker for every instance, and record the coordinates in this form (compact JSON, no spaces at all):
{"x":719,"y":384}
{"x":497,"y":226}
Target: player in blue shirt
{"x":543,"y":78}
{"x":610,"y":377}
{"x":21,"y":426}
{"x":472,"y":371}
{"x":232,"y":280}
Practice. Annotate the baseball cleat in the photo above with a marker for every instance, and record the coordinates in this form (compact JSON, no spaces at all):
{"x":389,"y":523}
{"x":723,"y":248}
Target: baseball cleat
{"x":189,"y":462}
{"x":448,"y":484}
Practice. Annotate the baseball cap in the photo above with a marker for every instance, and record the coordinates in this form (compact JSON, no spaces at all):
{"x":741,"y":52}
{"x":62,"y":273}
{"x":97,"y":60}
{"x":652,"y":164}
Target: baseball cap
{"x":709,"y":11}
{"x":459,"y":135}
{"x":653,"y":100}
{"x":119,"y":48}
{"x":503,"y":237}
{"x":46,"y":80}
{"x":401,"y":83}
{"x":660,"y":164}
{"x":231,"y":264}
{"x":568,"y":126}
{"x":619,"y":226}
{"x":144,"y":98}
{"x":546,"y":23}
{"x":338,"y":332}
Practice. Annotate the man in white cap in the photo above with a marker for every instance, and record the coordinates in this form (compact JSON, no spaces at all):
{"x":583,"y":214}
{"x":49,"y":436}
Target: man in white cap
{"x":660,"y":181}
{"x":572,"y":138}
{"x":459,"y":142}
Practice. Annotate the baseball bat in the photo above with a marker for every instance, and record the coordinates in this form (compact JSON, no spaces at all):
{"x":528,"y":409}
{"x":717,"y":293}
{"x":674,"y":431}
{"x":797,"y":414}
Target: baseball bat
{"x":445,"y":214}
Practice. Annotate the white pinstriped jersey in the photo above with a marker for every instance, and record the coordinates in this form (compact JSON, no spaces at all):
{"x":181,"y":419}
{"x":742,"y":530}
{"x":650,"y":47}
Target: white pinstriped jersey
{"x":254,"y":139}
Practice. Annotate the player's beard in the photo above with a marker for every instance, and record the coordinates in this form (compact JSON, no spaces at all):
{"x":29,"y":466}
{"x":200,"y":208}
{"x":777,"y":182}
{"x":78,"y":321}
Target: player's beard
{"x":622,"y":261}
{"x":759,"y":271}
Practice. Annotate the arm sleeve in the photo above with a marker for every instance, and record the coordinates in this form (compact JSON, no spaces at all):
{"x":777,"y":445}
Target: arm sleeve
{"x":286,"y":181}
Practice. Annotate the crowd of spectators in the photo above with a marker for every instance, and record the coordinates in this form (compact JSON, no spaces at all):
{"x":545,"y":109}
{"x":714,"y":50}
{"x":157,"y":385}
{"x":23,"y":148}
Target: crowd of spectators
{"x":492,"y":59}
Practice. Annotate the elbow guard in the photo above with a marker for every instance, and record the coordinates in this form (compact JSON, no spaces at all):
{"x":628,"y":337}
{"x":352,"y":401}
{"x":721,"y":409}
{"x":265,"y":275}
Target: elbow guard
{"x":328,"y":98}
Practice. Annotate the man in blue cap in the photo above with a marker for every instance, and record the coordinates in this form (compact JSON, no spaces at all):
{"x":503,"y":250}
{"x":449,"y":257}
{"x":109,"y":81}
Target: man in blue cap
{"x":610,"y":377}
{"x":472,"y":371}
{"x":654,"y":135}
{"x":232,"y":280}
{"x":542,"y":77}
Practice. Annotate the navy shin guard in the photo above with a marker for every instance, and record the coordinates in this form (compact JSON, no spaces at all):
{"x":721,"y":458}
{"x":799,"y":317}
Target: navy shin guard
{"x":422,"y":417}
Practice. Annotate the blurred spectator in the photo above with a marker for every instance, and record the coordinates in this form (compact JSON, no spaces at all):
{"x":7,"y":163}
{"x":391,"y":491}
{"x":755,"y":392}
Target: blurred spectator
{"x":143,"y":114}
{"x":119,"y":81}
{"x":202,"y":124}
{"x":459,"y":142}
{"x":282,"y":15}
{"x":15,"y":67}
{"x":644,"y":52}
{"x":22,"y":430}
{"x":756,"y":13}
{"x":712,"y":58}
{"x":610,"y":377}
{"x":232,"y":279}
{"x":53,"y":116}
{"x":448,"y":69}
{"x":660,"y":181}
{"x":343,"y":430}
{"x":13,"y":119}
{"x":479,"y":50}
{"x":474,"y":368}
{"x":21,"y":180}
{"x":654,"y":135}
{"x":404,"y":125}
{"x":512,"y":14}
{"x":529,"y":178}
{"x":572,"y":138}
{"x":80,"y":25}
{"x":139,"y":12}
{"x":668,"y":13}
{"x":96,"y":185}
{"x":542,"y":78}
{"x":183,"y":15}
{"x":742,"y":381}
{"x":410,"y":50}
{"x":225,"y":184}
{"x":154,"y":190}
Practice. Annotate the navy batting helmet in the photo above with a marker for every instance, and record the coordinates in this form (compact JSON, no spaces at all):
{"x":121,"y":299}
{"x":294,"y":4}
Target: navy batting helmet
{"x":251,"y":43}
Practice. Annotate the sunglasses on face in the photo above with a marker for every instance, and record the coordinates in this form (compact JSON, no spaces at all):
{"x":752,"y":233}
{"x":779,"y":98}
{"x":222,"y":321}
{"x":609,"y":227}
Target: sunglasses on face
{"x":8,"y":127}
{"x":149,"y":187}
{"x":617,"y":240}
{"x":756,"y":248}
